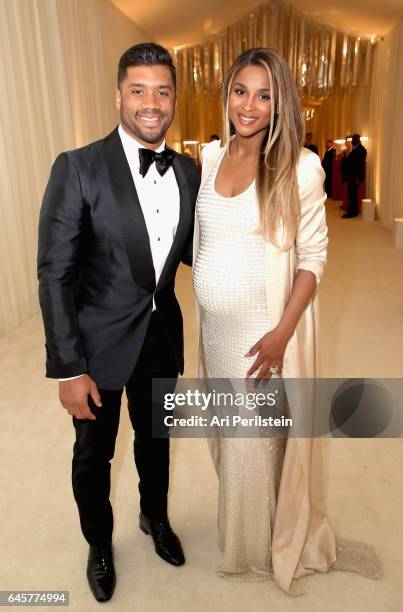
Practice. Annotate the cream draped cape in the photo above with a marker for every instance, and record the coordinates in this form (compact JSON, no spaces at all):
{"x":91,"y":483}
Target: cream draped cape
{"x":302,"y":540}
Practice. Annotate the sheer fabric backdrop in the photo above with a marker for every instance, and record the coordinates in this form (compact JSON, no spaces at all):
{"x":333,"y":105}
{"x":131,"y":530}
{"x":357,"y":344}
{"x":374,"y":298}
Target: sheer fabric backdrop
{"x":58,"y":62}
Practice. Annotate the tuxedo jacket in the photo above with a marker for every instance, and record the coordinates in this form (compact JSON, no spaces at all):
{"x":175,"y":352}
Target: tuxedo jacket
{"x":327,"y":161}
{"x":95,"y":268}
{"x":312,"y":147}
{"x":353,"y":164}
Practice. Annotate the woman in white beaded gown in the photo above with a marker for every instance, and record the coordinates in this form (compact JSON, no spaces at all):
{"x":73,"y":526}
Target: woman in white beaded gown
{"x":259,"y":252}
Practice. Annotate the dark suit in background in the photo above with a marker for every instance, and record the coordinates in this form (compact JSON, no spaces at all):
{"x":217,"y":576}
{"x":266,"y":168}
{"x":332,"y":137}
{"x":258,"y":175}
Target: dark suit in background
{"x":327,"y":165}
{"x":312,"y":147}
{"x":353,"y":170}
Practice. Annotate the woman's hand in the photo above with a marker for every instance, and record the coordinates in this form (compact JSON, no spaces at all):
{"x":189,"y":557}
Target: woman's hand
{"x":271,"y":347}
{"x":270,"y":351}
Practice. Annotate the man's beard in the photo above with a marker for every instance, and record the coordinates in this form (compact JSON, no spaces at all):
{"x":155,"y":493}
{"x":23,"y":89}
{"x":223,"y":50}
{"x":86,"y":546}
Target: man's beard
{"x":137,"y":130}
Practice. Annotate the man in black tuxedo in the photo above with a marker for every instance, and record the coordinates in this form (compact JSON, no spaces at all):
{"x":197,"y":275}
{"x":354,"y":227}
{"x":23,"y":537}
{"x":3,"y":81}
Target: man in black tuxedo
{"x":116,"y":220}
{"x":353,"y":170}
{"x":327,"y":165}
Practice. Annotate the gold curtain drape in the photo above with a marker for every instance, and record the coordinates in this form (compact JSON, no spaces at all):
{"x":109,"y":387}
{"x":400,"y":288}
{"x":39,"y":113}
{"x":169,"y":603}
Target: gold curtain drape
{"x":323,"y":61}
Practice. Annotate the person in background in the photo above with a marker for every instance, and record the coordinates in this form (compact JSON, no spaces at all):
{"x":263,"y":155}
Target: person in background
{"x":346,"y":149}
{"x":214,"y":137}
{"x":342,"y":156}
{"x":327,"y":165}
{"x":309,"y":144}
{"x":354,"y":174}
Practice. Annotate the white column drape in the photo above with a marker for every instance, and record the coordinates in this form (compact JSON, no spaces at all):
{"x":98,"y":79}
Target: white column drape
{"x":58,"y":64}
{"x":386,"y":127}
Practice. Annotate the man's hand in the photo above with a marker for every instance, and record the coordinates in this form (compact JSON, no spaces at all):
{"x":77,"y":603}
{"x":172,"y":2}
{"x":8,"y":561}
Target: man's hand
{"x":73,"y":395}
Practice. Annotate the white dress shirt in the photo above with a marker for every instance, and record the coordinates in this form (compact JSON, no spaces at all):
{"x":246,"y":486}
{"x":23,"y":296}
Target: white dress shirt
{"x":160,"y":203}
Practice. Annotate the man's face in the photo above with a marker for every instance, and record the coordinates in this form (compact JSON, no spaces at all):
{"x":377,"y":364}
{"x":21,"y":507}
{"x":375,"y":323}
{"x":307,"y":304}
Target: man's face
{"x":146,"y":100}
{"x":309,"y":138}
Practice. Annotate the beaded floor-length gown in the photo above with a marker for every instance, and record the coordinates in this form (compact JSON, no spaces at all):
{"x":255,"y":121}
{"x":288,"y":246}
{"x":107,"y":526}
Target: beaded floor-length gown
{"x":229,"y":281}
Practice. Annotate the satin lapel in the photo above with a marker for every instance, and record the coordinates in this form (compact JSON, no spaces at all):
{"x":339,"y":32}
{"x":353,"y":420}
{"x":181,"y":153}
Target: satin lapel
{"x":132,"y":220}
{"x":185,"y":217}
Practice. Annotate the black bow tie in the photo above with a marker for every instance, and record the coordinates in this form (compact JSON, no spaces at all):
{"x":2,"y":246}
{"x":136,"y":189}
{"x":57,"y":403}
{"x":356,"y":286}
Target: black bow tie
{"x":163,"y":160}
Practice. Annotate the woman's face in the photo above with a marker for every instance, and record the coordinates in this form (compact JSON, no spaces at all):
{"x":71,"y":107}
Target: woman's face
{"x":249,"y":105}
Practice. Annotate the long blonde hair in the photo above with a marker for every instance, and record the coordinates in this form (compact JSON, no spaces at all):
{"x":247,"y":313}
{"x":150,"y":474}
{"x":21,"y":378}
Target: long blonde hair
{"x":276,"y":180}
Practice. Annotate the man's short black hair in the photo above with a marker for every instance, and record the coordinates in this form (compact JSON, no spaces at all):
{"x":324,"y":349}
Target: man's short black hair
{"x":145,"y":54}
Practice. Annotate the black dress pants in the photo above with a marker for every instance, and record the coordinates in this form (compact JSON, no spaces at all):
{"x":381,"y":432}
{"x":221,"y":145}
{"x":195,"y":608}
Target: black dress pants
{"x":352,"y":198}
{"x":95,"y":441}
{"x":328,"y":184}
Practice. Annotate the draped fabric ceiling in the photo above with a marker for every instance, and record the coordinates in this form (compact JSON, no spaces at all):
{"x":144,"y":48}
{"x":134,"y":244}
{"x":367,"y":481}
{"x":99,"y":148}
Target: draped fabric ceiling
{"x":181,"y":22}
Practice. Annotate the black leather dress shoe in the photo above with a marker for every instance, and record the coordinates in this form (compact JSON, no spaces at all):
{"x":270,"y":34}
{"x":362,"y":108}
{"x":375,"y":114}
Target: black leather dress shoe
{"x":101,"y":571}
{"x":166,"y":542}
